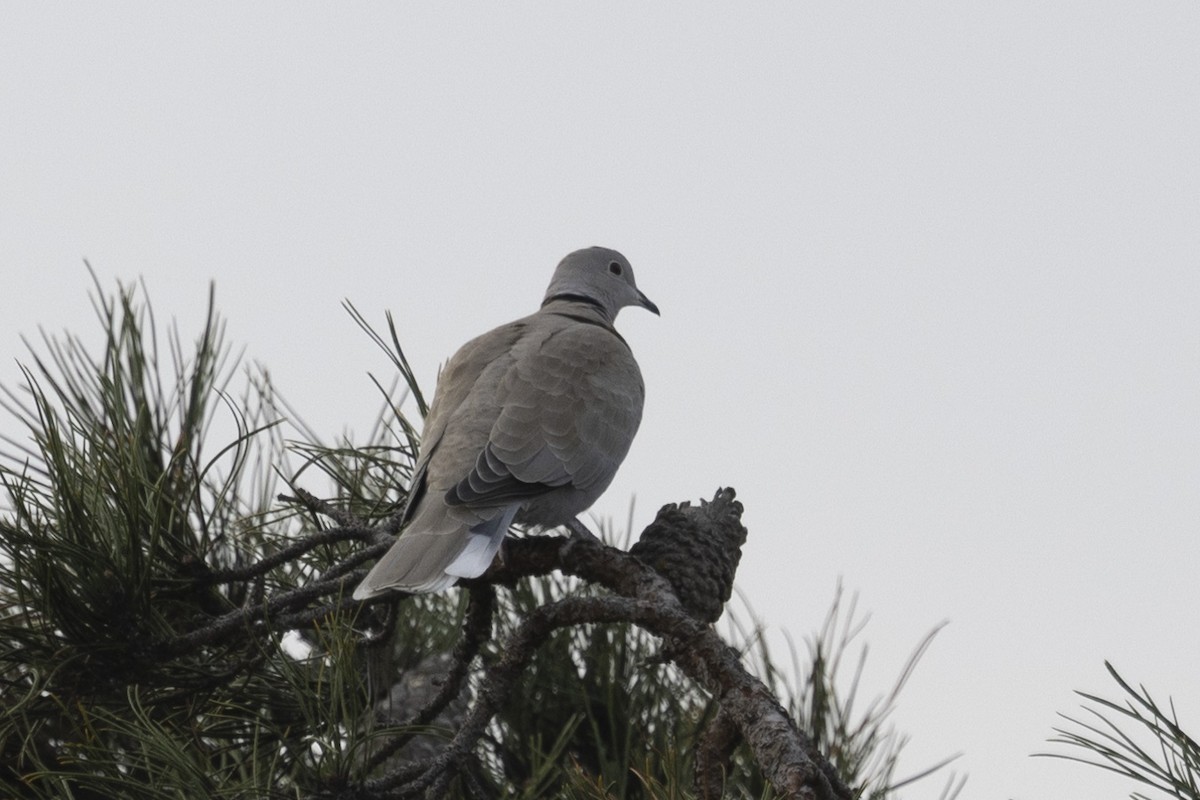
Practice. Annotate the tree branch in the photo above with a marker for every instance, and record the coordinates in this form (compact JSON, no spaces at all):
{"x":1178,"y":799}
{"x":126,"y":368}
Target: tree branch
{"x":477,"y":629}
{"x":643,"y":596}
{"x":787,"y":757}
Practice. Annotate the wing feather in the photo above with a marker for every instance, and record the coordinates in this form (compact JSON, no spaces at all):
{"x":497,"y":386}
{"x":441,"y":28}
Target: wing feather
{"x":568,"y":408}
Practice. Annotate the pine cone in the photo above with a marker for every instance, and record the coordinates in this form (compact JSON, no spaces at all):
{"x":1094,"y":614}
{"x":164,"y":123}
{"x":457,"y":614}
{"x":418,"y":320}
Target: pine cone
{"x":697,"y":549}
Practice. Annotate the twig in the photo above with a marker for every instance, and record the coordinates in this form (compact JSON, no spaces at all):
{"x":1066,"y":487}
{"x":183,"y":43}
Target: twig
{"x":315,"y":505}
{"x":273,"y":609}
{"x":713,"y":750}
{"x":289,"y":553}
{"x":477,"y":630}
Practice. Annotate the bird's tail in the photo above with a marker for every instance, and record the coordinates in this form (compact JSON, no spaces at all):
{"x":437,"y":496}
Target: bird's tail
{"x":483,"y":542}
{"x":432,"y":554}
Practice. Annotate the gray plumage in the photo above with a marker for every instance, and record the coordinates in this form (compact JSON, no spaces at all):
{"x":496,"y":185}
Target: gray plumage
{"x":529,"y":424}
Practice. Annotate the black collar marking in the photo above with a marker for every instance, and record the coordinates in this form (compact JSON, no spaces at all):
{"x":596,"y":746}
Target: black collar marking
{"x":574,"y":298}
{"x":590,"y":321}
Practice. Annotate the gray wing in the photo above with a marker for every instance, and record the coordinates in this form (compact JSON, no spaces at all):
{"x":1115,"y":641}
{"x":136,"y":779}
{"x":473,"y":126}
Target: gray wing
{"x":434,"y":536}
{"x":569,"y":406}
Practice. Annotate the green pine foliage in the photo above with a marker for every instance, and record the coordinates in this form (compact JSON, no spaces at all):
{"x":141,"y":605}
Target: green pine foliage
{"x":1136,"y":737}
{"x":172,"y":622}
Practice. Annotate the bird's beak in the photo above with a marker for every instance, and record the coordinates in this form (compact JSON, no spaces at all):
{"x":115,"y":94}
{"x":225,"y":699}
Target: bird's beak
{"x":648,"y":304}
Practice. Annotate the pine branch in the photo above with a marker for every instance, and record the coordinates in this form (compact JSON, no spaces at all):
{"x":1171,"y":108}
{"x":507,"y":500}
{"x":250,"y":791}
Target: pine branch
{"x":645,"y":598}
{"x":476,"y":631}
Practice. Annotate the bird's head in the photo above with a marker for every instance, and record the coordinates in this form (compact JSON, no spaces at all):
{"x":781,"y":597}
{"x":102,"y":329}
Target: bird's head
{"x":600,"y":277}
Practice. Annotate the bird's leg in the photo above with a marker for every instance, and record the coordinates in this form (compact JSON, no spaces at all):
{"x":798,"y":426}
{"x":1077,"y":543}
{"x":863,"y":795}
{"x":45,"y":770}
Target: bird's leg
{"x":579,"y":530}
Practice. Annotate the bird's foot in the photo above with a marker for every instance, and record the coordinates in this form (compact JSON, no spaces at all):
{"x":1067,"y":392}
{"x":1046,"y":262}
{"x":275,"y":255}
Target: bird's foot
{"x":579,"y":530}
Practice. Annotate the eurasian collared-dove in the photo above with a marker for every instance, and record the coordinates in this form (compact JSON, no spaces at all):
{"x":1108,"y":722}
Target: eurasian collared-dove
{"x":529,"y":424}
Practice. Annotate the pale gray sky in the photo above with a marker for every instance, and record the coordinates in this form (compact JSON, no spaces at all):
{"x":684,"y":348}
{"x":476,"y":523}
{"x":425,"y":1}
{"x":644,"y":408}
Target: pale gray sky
{"x":929,"y":273}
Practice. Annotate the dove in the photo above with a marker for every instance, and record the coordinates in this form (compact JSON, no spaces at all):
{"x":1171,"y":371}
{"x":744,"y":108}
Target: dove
{"x":529,"y":423}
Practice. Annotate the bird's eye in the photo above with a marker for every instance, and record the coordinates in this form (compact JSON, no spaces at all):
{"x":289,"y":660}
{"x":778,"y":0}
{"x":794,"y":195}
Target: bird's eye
{"x":614,"y":268}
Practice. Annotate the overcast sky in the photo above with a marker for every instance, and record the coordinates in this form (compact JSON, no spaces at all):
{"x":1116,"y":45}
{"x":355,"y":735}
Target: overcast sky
{"x":929,"y":275}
